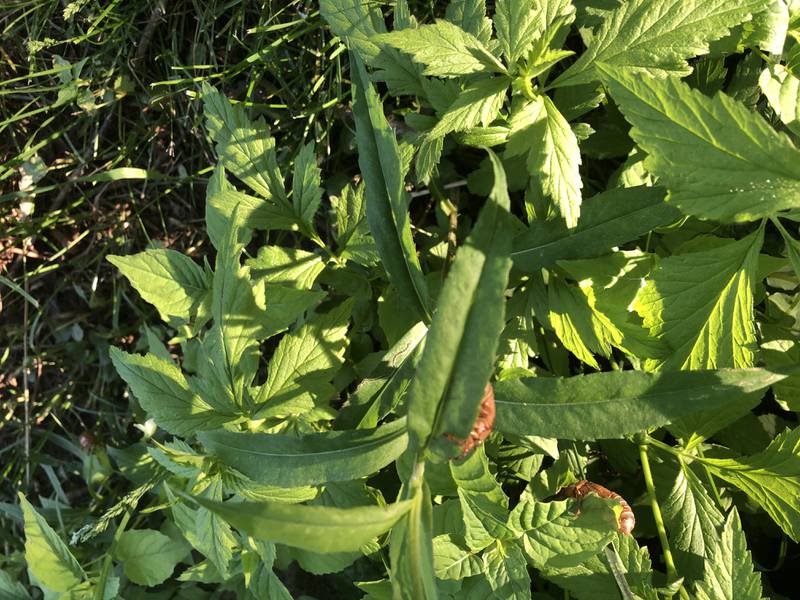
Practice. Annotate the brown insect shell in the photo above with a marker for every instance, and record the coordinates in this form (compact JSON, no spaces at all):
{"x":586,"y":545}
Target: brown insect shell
{"x":483,"y":424}
{"x":582,"y":488}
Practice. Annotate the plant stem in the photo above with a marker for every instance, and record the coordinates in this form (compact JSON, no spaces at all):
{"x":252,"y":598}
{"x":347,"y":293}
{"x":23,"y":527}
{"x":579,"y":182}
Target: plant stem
{"x":100,"y":590}
{"x":672,"y":572}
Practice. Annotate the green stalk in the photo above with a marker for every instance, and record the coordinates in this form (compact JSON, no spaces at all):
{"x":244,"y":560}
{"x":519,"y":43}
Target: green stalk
{"x":100,"y":590}
{"x":672,"y":572}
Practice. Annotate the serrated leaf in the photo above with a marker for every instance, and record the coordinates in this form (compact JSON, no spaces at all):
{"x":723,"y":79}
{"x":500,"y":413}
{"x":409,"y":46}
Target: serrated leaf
{"x":445,"y":49}
{"x":484,"y":505}
{"x":541,"y":131}
{"x":306,"y":193}
{"x":165,"y":394}
{"x":618,"y":403}
{"x":452,"y":560}
{"x":771,"y":478}
{"x":213,"y":535}
{"x":387,"y":214}
{"x":557,"y":535}
{"x":169,"y":280}
{"x":254,"y":213}
{"x":718,"y":159}
{"x":733,"y":575}
{"x":593,"y":580}
{"x":311,"y":459}
{"x":47,"y":556}
{"x":291,"y":267}
{"x":572,"y":322}
{"x":245,"y":148}
{"x":515,"y":22}
{"x":700,"y":305}
{"x":304,"y":363}
{"x":506,"y":572}
{"x":478,"y":103}
{"x":656,"y":37}
{"x":458,"y":358}
{"x":782,"y":89}
{"x":359,"y":22}
{"x":148,"y":557}
{"x":234,"y":348}
{"x":316,"y":528}
{"x":692,"y":522}
{"x":609,"y":219}
{"x":470,"y":15}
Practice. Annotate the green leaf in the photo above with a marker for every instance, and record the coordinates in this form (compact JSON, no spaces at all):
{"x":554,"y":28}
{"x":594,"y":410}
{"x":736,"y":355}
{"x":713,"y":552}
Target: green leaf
{"x":290,"y":267}
{"x":11,"y":589}
{"x":459,"y":353}
{"x":479,"y":102}
{"x":572,"y":321}
{"x":148,"y":557}
{"x":244,"y":147}
{"x":254,"y":213}
{"x":700,"y":305}
{"x":557,"y":535}
{"x":771,"y":478}
{"x":382,"y":388}
{"x":516,"y":23}
{"x":316,"y":528}
{"x":214,"y":536}
{"x":782,"y":89}
{"x":452,"y":560}
{"x":541,"y":131}
{"x":387,"y":211}
{"x":656,"y":37}
{"x":484,"y":505}
{"x":236,"y":316}
{"x":470,"y":15}
{"x":609,"y":219}
{"x":304,"y":363}
{"x":731,"y":575}
{"x":692,"y":522}
{"x":306,"y":193}
{"x":445,"y":49}
{"x":618,"y":403}
{"x":505,"y":575}
{"x":359,"y":22}
{"x":718,"y":159}
{"x":48,"y":558}
{"x":411,"y":550}
{"x":169,"y":280}
{"x":311,"y":459}
{"x":593,"y":579}
{"x":165,"y":394}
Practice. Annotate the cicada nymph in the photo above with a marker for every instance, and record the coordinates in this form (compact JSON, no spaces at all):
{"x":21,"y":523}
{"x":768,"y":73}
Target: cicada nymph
{"x":483,"y":424}
{"x":582,"y":488}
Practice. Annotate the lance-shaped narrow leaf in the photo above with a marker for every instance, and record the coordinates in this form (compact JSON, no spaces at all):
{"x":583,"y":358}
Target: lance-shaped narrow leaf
{"x":411,"y":551}
{"x":387,"y":208}
{"x":771,"y":478}
{"x":459,"y":353}
{"x":315,"y":528}
{"x":608,"y":219}
{"x":619,"y":403}
{"x":311,"y":459}
{"x":718,"y":159}
{"x":655,"y":37}
{"x":382,"y":389}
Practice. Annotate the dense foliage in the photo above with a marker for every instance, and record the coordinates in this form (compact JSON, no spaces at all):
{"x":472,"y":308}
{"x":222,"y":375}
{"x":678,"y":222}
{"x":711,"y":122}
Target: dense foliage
{"x":591,"y":205}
